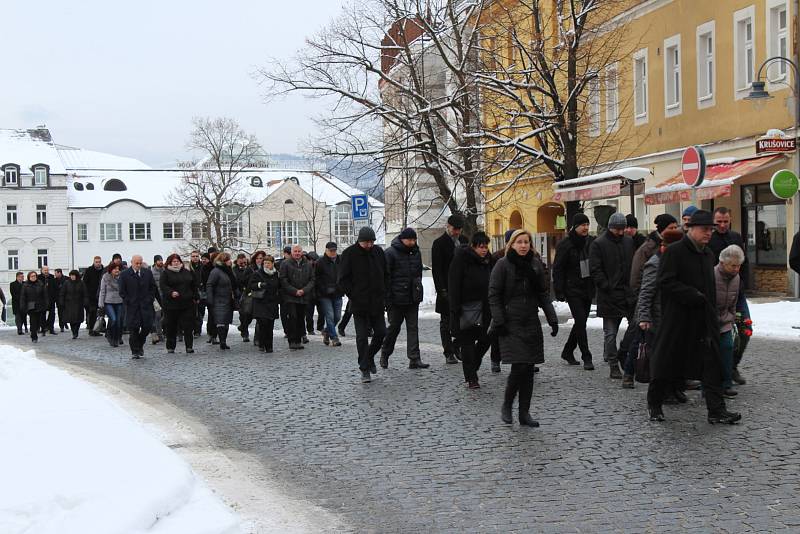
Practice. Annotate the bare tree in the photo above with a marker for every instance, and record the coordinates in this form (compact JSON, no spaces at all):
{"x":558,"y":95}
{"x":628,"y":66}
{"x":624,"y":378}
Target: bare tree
{"x":213,"y":191}
{"x":314,"y":212}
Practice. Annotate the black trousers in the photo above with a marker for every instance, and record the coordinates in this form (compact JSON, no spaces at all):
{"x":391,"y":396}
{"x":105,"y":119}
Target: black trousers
{"x":211,"y":324}
{"x":198,"y":317}
{"x":284,"y":312}
{"x":520,"y":380}
{"x":495,"y":353}
{"x":35,"y":320}
{"x":22,"y":320}
{"x":448,"y":346}
{"x":346,"y":316}
{"x":309,"y":326}
{"x":264,"y":330}
{"x":91,"y":316}
{"x":295,"y":321}
{"x":474,"y":343}
{"x":658,"y":389}
{"x":366,"y":349}
{"x":137,"y":337}
{"x":244,"y":324}
{"x":75,"y":327}
{"x":179,"y":321}
{"x":579,"y":308}
{"x":61,"y":322}
{"x":51,"y":318}
{"x":397,"y":315}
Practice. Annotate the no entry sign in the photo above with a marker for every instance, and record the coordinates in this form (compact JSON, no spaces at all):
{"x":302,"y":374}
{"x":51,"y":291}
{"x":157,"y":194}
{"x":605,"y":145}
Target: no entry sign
{"x":693,"y":166}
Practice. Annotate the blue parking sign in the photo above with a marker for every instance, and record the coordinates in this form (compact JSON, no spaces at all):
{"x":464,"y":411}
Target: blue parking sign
{"x":360,"y":205}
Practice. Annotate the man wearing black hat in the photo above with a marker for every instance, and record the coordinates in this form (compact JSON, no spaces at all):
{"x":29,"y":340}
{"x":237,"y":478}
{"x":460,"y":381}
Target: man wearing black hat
{"x":404,"y":265}
{"x":632,"y":230}
{"x":364,"y":279}
{"x":441,"y":255}
{"x":687,"y":341}
{"x":329,"y":294}
{"x":572,"y":282}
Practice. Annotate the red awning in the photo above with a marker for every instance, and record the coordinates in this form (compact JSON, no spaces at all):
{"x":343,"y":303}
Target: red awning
{"x":718,"y":181}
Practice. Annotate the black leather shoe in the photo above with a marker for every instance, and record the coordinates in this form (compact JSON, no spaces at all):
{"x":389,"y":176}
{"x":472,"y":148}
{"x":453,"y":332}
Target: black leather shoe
{"x":680,"y":396}
{"x":418,"y":364}
{"x":656,"y":413}
{"x":738,"y":378}
{"x":525,"y":419}
{"x":385,"y":361}
{"x":570,"y":359}
{"x":588,"y":365}
{"x":450,"y":359}
{"x":724,"y":418}
{"x":373,"y":369}
{"x":730,"y":393}
{"x":505,"y":413}
{"x":536,"y":369}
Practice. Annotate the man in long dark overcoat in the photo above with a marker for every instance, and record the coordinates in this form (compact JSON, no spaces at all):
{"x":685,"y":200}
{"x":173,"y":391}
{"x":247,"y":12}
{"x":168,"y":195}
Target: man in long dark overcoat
{"x":687,"y":342}
{"x":442,"y":253}
{"x":138,"y":291}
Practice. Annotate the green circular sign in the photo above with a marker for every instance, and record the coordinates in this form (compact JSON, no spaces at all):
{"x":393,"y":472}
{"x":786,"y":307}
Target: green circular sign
{"x":784,"y":184}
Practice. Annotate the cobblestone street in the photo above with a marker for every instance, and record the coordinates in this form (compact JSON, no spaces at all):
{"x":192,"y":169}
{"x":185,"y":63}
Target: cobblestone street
{"x":415,"y":451}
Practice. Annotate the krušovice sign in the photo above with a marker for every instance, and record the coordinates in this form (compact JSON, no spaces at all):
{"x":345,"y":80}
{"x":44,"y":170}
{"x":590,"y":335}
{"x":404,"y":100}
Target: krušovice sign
{"x":776,"y":144}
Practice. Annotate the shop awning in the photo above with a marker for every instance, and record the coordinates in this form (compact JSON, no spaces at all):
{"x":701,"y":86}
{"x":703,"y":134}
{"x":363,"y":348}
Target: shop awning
{"x":720,"y":176}
{"x":607,"y":184}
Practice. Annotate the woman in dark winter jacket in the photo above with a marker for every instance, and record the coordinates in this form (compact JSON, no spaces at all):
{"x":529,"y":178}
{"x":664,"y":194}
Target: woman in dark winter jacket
{"x":468,"y":287}
{"x":517,"y":289}
{"x":221,"y":294}
{"x":72,"y":301}
{"x":179,"y":297}
{"x":33,"y":299}
{"x":265,"y":290}
{"x":572,"y":282}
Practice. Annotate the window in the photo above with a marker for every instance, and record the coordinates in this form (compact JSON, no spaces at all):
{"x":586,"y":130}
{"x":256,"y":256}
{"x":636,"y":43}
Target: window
{"x":77,"y":186}
{"x":41,"y":213}
{"x":594,"y":107}
{"x":705,"y":65}
{"x":343,"y":227}
{"x":11,"y":175}
{"x":114,"y":185}
{"x":82,"y":232}
{"x":765,"y":226}
{"x":232,"y":223}
{"x":744,"y":52}
{"x":173,"y":230}
{"x":777,"y":39}
{"x":40,"y":176}
{"x":110,"y":231}
{"x":199,"y":230}
{"x":612,"y":98}
{"x":139,"y":231}
{"x":672,"y":75}
{"x":13,"y":260}
{"x":41,"y":257}
{"x":11,"y":214}
{"x":640,"y":86}
{"x":274,"y":233}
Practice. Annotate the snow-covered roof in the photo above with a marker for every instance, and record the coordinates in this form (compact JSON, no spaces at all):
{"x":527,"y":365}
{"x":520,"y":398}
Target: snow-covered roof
{"x":82,"y":159}
{"x":152,"y":187}
{"x":29,"y":147}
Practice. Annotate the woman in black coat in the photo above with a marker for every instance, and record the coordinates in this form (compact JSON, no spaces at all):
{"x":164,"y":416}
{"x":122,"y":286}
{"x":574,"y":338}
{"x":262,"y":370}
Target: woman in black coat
{"x":468,"y":284}
{"x":517,"y":289}
{"x":33,"y":299}
{"x":179,"y":300}
{"x":72,"y":301}
{"x":221,"y":291}
{"x":265,"y":290}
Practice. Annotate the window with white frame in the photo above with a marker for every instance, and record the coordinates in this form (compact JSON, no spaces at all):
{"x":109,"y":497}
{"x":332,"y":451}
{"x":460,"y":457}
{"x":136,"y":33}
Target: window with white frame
{"x":593,"y":105}
{"x":82,"y":232}
{"x":640,"y":86}
{"x":40,"y":176}
{"x":672,"y":75}
{"x":13,"y":259}
{"x":11,"y":214}
{"x":199,"y":230}
{"x":232,"y":223}
{"x":139,"y":231}
{"x":110,"y":231}
{"x":41,"y":213}
{"x":172,"y":230}
{"x":273,"y":234}
{"x":706,"y":73}
{"x":612,"y":98}
{"x":343,"y":227}
{"x":41,"y":257}
{"x":11,"y":175}
{"x":777,"y":39}
{"x":744,"y":50}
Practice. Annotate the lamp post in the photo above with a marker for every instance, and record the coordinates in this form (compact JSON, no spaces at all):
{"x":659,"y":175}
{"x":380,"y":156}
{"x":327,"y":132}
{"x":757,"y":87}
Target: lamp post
{"x":758,"y":94}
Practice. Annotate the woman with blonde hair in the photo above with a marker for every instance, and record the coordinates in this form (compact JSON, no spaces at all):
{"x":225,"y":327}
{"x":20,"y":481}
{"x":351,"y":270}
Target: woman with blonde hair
{"x":517,"y":289}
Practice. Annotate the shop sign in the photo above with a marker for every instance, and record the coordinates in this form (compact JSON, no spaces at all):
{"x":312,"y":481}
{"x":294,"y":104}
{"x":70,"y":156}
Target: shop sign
{"x":776,"y":144}
{"x":784,"y":184}
{"x":588,"y":193}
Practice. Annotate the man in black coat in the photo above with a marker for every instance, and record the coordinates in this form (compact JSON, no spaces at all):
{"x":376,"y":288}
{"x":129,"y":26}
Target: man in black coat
{"x":49,"y":317}
{"x":723,"y":237}
{"x":364,"y":279}
{"x":20,"y":317}
{"x":138,"y":291}
{"x":610,"y":258}
{"x":687,"y":341}
{"x":91,"y":279}
{"x":441,"y":255}
{"x":329,"y":294}
{"x":404,"y":264}
{"x":632,"y":231}
{"x":572,"y":282}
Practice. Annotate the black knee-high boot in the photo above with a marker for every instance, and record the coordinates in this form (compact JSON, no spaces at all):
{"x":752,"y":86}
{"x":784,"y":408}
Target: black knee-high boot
{"x":525,"y":394}
{"x":512,"y":386}
{"x":222,"y":332}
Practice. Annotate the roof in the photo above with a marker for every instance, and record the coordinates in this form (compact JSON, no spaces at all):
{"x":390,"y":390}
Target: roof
{"x":29,"y":147}
{"x":601,"y":185}
{"x":82,"y":159}
{"x":719,"y":177}
{"x":152,"y":187}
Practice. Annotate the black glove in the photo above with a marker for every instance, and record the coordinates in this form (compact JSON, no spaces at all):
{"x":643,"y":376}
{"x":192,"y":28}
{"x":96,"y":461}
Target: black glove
{"x":554,"y":329}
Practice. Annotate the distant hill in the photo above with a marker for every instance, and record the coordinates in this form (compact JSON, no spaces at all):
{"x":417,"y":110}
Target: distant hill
{"x":363,"y":175}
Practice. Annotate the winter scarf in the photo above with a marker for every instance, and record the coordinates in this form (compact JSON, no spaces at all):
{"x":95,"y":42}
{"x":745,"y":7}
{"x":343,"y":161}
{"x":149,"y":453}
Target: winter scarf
{"x":523,"y":264}
{"x":175,"y":269}
{"x":268,"y":271}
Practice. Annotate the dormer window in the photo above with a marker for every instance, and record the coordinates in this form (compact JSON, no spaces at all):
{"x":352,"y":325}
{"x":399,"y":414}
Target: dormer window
{"x":77,"y":186}
{"x":11,"y":174}
{"x":89,"y":186}
{"x":40,"y":175}
{"x":255,"y":181}
{"x":114,"y":185}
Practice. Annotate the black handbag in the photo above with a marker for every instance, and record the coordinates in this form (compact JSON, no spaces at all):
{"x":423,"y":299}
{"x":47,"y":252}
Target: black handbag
{"x":471,"y":315}
{"x":642,"y":371}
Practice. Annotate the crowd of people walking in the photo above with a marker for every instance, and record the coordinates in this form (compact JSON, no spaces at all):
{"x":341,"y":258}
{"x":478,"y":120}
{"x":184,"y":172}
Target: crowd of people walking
{"x":680,"y":289}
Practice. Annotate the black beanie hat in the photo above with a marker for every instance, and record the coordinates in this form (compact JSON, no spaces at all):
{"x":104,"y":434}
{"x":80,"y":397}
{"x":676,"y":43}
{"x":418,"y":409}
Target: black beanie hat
{"x":579,"y":219}
{"x":631,"y":221}
{"x":157,"y":257}
{"x":664,"y":220}
{"x":508,"y":235}
{"x":366,"y":234}
{"x":408,"y":233}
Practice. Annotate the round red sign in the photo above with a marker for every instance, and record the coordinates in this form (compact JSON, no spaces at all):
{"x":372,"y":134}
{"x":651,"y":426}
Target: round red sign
{"x":693,"y":166}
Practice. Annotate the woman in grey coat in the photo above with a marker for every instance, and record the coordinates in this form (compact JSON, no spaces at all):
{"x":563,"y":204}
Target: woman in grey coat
{"x":110,"y":302}
{"x":221,"y":289}
{"x":517,"y":289}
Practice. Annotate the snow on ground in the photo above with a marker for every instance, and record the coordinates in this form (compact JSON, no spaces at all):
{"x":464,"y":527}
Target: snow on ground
{"x":73,"y":462}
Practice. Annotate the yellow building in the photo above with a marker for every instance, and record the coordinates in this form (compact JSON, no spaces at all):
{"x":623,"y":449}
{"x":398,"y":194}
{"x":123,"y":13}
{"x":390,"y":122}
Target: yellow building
{"x":685,"y":84}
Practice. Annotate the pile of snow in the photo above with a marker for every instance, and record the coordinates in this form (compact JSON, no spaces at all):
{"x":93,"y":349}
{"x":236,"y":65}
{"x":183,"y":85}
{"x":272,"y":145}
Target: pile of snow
{"x":72,"y":462}
{"x":776,"y":319}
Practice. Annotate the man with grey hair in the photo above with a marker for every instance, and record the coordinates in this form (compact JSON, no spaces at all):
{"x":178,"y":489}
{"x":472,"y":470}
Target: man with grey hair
{"x":297,"y":282}
{"x":138,"y":291}
{"x":610,"y":259}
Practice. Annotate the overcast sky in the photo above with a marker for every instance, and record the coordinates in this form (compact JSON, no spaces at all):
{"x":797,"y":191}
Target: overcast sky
{"x":127,"y":77}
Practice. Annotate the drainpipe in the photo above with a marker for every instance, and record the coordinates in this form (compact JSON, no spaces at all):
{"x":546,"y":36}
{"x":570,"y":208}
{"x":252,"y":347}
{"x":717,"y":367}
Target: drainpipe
{"x":71,"y":240}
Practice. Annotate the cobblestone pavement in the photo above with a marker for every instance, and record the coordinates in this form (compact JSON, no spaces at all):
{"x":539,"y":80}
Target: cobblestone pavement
{"x":415,"y":451}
